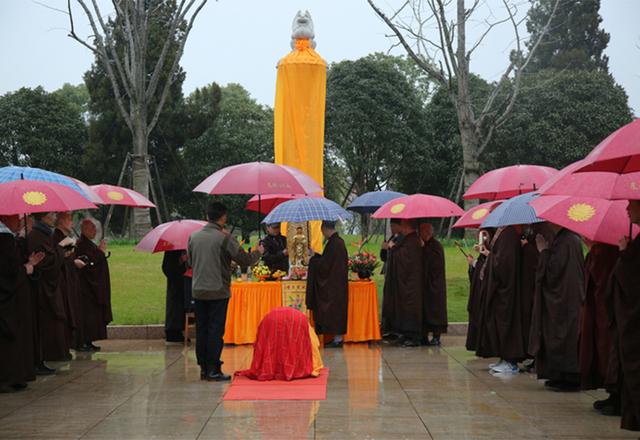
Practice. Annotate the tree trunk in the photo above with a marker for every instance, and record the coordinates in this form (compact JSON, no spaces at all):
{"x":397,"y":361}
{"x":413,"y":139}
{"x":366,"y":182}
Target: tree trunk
{"x":141,"y":217}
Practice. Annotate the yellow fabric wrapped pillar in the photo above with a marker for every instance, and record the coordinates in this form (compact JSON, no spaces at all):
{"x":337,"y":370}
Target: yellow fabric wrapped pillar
{"x":301,"y":89}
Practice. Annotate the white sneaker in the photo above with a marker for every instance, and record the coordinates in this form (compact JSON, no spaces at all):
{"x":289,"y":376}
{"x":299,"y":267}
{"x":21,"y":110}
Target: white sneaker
{"x":494,"y":365}
{"x":506,"y":367}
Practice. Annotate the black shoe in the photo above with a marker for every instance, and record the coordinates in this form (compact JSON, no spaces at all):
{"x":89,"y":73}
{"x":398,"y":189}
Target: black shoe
{"x":390,"y":336}
{"x":333,"y":344}
{"x":434,"y":342}
{"x":217,"y":376}
{"x":93,"y":347}
{"x":203,"y":374}
{"x":67,"y":357}
{"x":611,"y":410}
{"x":19,"y":386}
{"x":562,"y":386}
{"x":612,"y":400}
{"x":84,"y":348}
{"x":43,"y":370}
{"x":175,"y":338}
{"x":410,"y":343}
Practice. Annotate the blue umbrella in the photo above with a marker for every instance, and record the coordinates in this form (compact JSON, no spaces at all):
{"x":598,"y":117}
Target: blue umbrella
{"x":307,"y":209}
{"x":371,"y":201}
{"x":11,"y":173}
{"x":515,"y":211}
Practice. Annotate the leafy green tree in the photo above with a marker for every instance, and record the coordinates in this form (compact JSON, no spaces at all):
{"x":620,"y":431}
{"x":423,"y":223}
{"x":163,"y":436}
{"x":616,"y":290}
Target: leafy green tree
{"x":242,"y":132}
{"x":41,"y":129}
{"x":574,"y":40}
{"x":77,"y":95}
{"x":559,"y":118}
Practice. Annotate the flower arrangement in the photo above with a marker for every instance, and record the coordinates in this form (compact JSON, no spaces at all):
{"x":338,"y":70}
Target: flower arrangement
{"x":363,"y":263}
{"x":298,"y":273}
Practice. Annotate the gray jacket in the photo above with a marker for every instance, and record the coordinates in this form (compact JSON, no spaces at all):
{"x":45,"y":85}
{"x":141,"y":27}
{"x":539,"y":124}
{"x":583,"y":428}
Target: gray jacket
{"x":210,"y":253}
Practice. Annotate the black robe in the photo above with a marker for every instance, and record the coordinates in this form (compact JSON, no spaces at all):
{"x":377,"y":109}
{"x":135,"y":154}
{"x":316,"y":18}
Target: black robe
{"x":274,"y":257}
{"x":554,"y":322}
{"x":404,"y":288}
{"x":529,"y":266}
{"x":52,"y":319}
{"x":17,"y":363}
{"x":328,"y":287}
{"x":386,"y":255}
{"x":625,"y":296}
{"x":95,"y":291}
{"x":70,"y":294}
{"x":174,"y":270}
{"x":435,"y":288}
{"x":476,"y":284}
{"x":500,"y":332}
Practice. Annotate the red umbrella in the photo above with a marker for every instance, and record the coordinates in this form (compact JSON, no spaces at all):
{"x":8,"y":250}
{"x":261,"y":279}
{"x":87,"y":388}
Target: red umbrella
{"x":118,"y":195}
{"x":618,"y":153}
{"x":508,"y":182}
{"x":600,"y":220}
{"x":258,"y":178}
{"x":474,"y":217}
{"x":265,"y":204}
{"x":418,"y":206}
{"x":170,"y":236}
{"x":30,"y":196}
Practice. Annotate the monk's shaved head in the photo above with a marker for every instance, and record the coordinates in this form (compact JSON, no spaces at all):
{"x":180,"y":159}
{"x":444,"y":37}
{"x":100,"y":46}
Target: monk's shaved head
{"x":88,"y":228}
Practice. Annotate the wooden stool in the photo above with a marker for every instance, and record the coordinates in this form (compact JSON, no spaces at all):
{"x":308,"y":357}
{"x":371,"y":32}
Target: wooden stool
{"x":188,"y":316}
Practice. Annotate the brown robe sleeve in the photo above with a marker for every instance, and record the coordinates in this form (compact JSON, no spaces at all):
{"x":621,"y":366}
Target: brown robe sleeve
{"x":49,"y":270}
{"x":435,"y":285}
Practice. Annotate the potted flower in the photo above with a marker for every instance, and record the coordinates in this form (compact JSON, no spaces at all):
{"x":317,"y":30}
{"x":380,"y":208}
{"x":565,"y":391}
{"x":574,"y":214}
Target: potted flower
{"x":363,"y":263}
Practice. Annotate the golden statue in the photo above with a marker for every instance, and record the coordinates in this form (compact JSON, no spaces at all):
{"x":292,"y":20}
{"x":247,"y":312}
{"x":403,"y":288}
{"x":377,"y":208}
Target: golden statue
{"x":298,"y":245}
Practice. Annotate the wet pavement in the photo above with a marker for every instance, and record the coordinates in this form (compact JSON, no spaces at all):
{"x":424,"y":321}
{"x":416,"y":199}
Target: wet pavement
{"x":145,"y":389}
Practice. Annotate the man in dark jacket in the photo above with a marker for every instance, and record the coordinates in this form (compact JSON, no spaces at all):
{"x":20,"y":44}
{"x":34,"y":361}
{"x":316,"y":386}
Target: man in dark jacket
{"x":276,"y":255}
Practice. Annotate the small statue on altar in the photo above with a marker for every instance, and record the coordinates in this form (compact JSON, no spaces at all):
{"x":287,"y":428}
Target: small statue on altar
{"x":298,"y":252}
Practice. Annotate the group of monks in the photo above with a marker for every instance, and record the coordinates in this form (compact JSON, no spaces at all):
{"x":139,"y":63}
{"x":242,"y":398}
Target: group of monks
{"x":536,"y":300}
{"x":54,"y":294}
{"x":414,"y":303}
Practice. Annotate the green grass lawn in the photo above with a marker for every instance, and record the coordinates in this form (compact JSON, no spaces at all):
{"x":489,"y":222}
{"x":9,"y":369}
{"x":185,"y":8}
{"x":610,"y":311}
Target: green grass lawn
{"x":138,"y":285}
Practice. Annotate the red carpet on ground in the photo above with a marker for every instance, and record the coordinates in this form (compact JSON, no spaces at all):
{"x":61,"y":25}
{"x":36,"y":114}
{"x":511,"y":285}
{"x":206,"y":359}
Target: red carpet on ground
{"x":311,"y":388}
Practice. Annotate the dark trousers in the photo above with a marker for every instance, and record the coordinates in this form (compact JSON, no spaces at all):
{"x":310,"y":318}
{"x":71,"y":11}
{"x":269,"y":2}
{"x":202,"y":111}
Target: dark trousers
{"x":211,"y":317}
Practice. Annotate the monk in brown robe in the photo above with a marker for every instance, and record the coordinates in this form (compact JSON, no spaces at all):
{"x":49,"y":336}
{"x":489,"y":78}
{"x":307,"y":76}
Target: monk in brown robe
{"x":328,"y":286}
{"x":174,"y":266}
{"x":477,"y":270}
{"x":52,"y":319}
{"x":594,"y":332}
{"x":528,"y":268}
{"x":386,"y":253}
{"x":435,"y":286}
{"x":554,"y":322}
{"x":17,"y":363}
{"x":95,"y":286}
{"x":404,"y":286}
{"x":625,"y":297}
{"x":500,"y":332}
{"x":69,"y":284}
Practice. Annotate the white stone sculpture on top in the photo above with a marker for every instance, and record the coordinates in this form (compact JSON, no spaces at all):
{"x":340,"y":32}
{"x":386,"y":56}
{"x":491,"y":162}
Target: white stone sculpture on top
{"x":302,"y":28}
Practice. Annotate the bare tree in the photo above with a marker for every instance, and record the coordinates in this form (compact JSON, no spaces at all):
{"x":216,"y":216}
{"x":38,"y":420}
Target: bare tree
{"x":139,"y":93}
{"x":445,"y":58}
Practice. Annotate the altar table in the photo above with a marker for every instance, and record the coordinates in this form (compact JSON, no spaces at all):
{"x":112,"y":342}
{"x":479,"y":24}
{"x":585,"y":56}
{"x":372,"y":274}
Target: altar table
{"x":250,"y":301}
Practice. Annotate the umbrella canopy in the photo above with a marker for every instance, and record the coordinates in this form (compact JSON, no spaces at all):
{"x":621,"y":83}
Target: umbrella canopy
{"x":508,"y":182}
{"x":418,"y":206}
{"x":265,"y":204}
{"x":600,"y":220}
{"x":618,"y":153}
{"x":369,"y":203}
{"x":170,"y":236}
{"x":8,"y":174}
{"x":91,"y":194}
{"x":596,"y":184}
{"x":30,"y":196}
{"x":118,"y":195}
{"x":515,"y":211}
{"x":307,"y":209}
{"x":258,"y":178}
{"x":474,"y":217}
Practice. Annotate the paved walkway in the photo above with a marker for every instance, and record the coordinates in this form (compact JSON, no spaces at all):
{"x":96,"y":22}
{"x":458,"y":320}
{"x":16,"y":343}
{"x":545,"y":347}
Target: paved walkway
{"x":144,"y":390}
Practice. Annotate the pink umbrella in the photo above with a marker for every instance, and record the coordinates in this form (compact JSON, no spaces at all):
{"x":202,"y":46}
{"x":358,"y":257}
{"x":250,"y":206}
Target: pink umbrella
{"x":258,"y":178}
{"x":600,"y":220}
{"x":118,"y":195}
{"x":418,"y":206}
{"x":91,"y":194}
{"x":508,"y":182}
{"x":265,"y":204}
{"x":618,"y":153}
{"x":474,"y":217}
{"x":30,"y":196}
{"x":170,"y":236}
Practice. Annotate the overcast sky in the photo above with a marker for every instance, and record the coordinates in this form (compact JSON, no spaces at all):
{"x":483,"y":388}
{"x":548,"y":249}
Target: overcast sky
{"x":242,"y":40}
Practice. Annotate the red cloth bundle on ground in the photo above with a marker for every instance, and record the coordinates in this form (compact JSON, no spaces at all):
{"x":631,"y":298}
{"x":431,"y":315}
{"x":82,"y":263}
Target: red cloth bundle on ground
{"x":282,"y":350}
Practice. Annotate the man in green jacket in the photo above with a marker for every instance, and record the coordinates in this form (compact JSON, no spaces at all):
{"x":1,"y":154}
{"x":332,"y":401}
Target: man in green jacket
{"x":210,"y":253}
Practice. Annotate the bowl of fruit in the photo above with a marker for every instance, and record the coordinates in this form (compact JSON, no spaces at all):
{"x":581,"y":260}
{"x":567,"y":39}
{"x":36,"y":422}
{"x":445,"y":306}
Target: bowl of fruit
{"x":278,"y":274}
{"x":261,"y":272}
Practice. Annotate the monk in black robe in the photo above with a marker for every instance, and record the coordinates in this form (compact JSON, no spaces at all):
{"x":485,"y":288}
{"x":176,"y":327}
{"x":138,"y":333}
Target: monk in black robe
{"x":69,"y":283}
{"x":276,"y":254}
{"x":554,"y":322}
{"x":625,"y":317}
{"x":404,"y":287}
{"x":386,"y":253}
{"x":477,"y":271}
{"x":500,"y":333}
{"x":174,"y":265}
{"x":528,"y":268}
{"x":95,"y":286}
{"x":434,"y":304}
{"x":17,"y":362}
{"x":328,"y":286}
{"x":52,"y":319}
